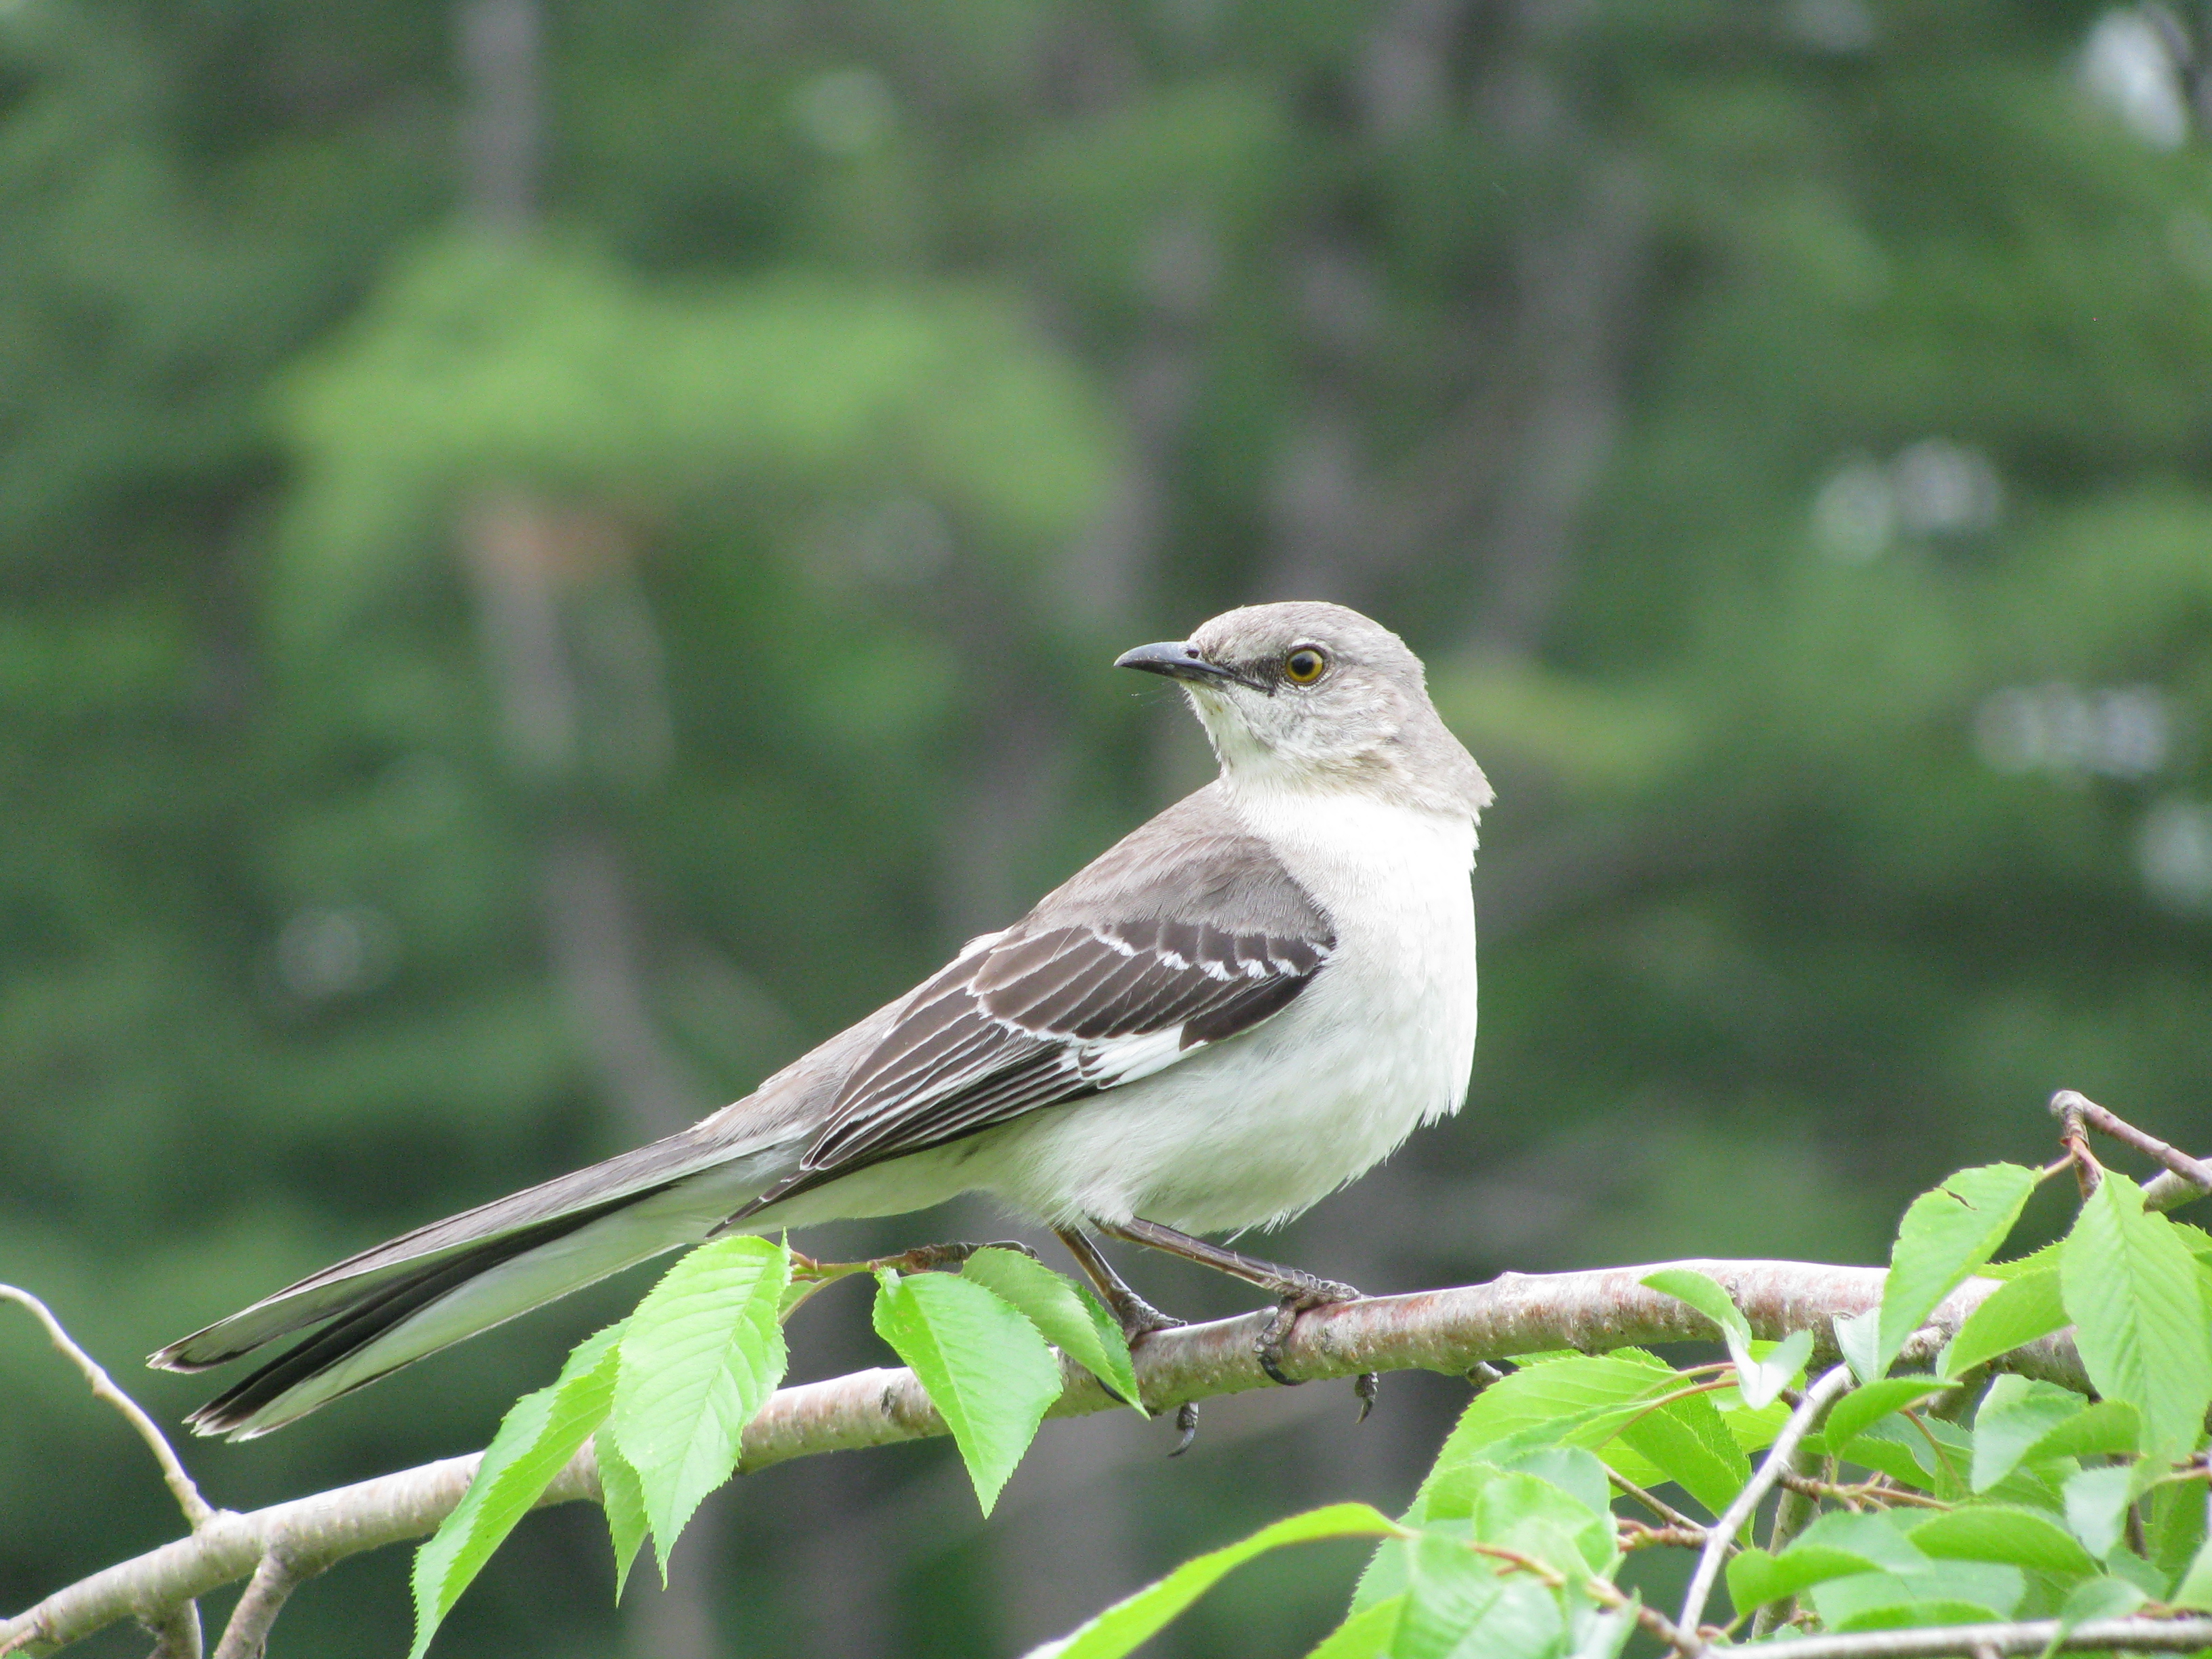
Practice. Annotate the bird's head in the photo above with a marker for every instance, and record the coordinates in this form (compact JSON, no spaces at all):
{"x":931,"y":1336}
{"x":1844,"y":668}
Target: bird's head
{"x":1314,"y":695}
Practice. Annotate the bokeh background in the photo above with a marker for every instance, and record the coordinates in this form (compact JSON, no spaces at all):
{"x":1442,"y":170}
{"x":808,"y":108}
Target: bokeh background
{"x":553,"y":552}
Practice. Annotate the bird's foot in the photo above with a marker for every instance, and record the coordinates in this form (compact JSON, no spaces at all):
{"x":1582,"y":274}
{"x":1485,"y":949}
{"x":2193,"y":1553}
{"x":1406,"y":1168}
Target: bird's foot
{"x":1366,"y":1385}
{"x":1299,"y":1292}
{"x":1185,"y":1426}
{"x":1139,"y":1318}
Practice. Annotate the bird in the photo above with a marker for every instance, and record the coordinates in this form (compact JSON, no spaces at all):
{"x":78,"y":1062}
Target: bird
{"x":1241,"y":1006}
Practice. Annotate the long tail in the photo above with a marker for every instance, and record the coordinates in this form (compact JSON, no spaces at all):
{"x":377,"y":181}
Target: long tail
{"x":425,"y":1290}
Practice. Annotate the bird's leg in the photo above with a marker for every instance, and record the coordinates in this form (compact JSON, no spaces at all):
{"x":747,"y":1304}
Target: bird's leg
{"x":1138,"y":1318}
{"x":1294,"y":1289}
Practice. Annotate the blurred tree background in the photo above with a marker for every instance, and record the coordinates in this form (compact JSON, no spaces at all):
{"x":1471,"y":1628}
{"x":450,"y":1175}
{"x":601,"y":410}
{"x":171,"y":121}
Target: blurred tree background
{"x":553,"y":552}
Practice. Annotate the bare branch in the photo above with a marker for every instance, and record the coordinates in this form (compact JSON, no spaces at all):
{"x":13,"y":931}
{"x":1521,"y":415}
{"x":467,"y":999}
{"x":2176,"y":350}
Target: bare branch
{"x":2070,"y":1106}
{"x":197,"y":1511}
{"x":2031,"y":1636}
{"x":246,"y":1635}
{"x":1453,"y":1331}
{"x":177,"y":1635}
{"x":1817,"y":1400}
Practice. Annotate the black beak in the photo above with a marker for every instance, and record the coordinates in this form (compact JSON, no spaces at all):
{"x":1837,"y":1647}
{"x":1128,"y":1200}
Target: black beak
{"x":1175,"y":659}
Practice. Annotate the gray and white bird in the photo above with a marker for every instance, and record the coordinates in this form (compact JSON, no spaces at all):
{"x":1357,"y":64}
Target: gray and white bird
{"x":1237,"y":1009}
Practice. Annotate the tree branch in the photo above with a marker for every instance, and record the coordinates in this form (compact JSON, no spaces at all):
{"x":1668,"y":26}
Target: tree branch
{"x":2030,"y":1635}
{"x":197,"y":1511}
{"x":1453,"y":1331}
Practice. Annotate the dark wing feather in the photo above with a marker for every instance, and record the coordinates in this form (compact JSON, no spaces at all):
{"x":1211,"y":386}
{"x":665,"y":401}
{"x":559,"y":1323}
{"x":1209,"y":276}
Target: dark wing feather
{"x":1180,"y":957}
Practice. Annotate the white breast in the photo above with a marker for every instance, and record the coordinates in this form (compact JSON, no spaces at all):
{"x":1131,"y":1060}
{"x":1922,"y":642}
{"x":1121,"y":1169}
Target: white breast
{"x":1259,"y":1127}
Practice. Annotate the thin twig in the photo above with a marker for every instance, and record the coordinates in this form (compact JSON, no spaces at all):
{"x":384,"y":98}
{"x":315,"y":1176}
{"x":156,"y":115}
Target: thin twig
{"x":2069,"y":1103}
{"x":246,"y":1635}
{"x":1637,"y":1535}
{"x":197,"y":1511}
{"x":1659,"y":1506}
{"x":1868,"y":1492}
{"x":1817,"y":1400}
{"x":2074,"y":1137}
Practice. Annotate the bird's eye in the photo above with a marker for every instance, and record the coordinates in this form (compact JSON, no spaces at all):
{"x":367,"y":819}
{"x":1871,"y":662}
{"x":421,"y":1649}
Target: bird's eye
{"x":1304,"y":665}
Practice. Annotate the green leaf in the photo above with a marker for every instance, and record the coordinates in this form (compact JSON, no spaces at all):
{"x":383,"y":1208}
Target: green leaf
{"x":1687,"y":1440}
{"x":1755,"y":1577}
{"x":1576,"y":1539}
{"x":987,"y":1371}
{"x":539,"y":1434}
{"x":1858,"y":1339}
{"x":1600,"y":1634}
{"x":1129,"y":1622}
{"x":622,"y":1496}
{"x":1364,"y":1635}
{"x":2016,"y":1312}
{"x":2015,"y":1414}
{"x":2097,"y":1506}
{"x":2106,"y":1427}
{"x":702,"y":1353}
{"x":1760,"y":1380}
{"x":1996,"y":1533}
{"x":2195,"y":1590}
{"x":1559,"y":1394}
{"x":1946,"y":1234}
{"x":2176,"y":1529}
{"x":2097,"y":1598}
{"x":2131,"y":1287}
{"x":1073,"y":1320}
{"x":1864,"y":1407}
{"x":1459,"y":1606}
{"x":1943,"y":1593}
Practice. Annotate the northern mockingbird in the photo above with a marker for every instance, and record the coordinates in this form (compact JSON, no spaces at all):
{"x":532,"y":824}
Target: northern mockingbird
{"x":1225,"y":1017}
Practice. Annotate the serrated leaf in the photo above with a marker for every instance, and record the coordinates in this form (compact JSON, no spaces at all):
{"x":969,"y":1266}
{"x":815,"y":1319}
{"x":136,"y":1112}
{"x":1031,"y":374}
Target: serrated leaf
{"x":1863,"y":1407}
{"x":622,"y":1499}
{"x":2131,"y":1287}
{"x":2097,"y":1507}
{"x":1991,"y":1532}
{"x":1072,"y":1319}
{"x":2015,"y":1414}
{"x":1946,"y":1234}
{"x":985,"y":1369}
{"x":1459,"y":1606}
{"x":1688,"y":1442}
{"x":539,"y":1434}
{"x":701,"y":1354}
{"x":1363,"y":1635}
{"x":1759,"y":1380}
{"x":2017,"y":1312}
{"x":1129,"y":1622}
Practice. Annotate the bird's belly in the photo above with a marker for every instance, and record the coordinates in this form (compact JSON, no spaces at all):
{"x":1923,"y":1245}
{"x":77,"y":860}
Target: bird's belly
{"x":1258,"y":1128}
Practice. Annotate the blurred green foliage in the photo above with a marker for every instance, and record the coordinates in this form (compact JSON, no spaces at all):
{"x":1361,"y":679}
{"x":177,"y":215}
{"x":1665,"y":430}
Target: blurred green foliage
{"x":1781,"y":425}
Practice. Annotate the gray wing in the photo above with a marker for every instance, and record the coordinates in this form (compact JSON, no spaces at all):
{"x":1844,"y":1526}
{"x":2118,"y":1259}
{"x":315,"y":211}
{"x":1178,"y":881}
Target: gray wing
{"x":1187,"y":933}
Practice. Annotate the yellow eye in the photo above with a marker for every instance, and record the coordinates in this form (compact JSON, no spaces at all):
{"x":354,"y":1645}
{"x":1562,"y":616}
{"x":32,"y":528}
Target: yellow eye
{"x":1304,"y":665}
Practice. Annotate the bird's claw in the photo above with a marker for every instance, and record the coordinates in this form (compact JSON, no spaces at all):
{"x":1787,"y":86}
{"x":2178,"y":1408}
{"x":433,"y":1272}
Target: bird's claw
{"x":1366,"y":1385}
{"x":1187,"y":1426}
{"x":1267,"y":1347}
